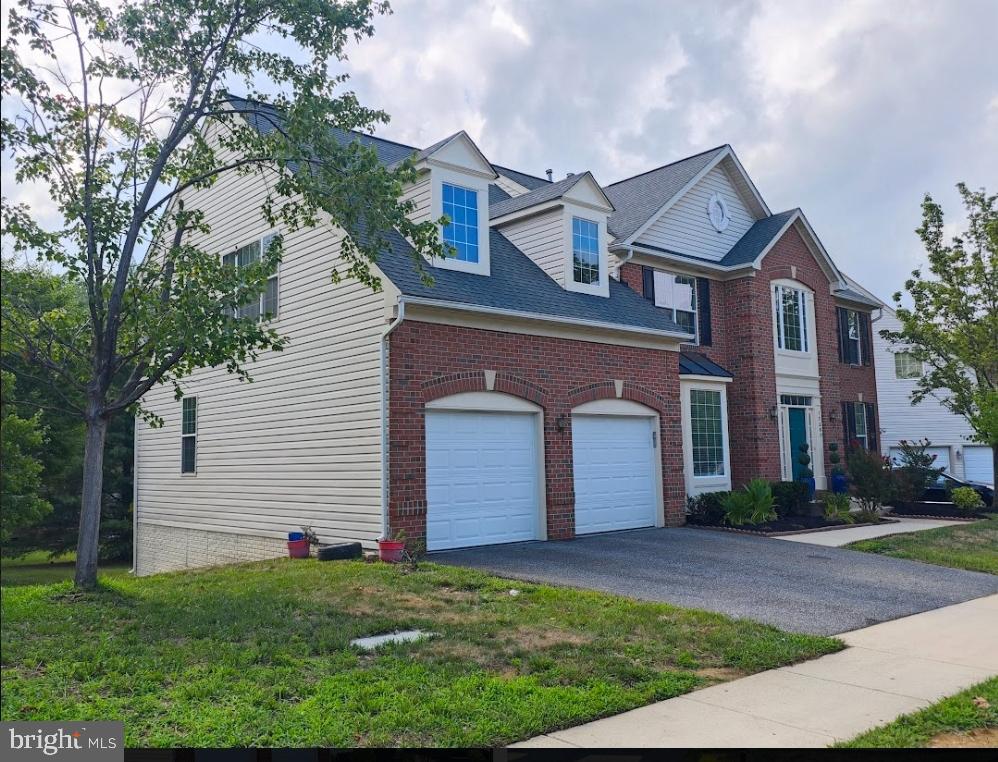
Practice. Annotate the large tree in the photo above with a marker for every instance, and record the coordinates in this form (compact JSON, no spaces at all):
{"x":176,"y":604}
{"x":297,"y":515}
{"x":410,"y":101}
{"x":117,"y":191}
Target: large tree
{"x":121,"y":112}
{"x":951,"y":325}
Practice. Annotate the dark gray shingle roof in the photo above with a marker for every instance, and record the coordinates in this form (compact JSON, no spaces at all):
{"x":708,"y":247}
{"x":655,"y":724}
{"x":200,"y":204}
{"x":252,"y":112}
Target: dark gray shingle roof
{"x":527,"y":181}
{"x":497,"y":194}
{"x":516,"y":283}
{"x":638,"y":198}
{"x":547,"y":192}
{"x":855,"y":296}
{"x":756,"y":238}
{"x":698,"y":364}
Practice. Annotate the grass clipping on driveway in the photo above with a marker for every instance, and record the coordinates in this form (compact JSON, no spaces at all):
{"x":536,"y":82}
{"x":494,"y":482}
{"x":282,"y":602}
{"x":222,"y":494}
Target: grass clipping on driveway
{"x":259,"y":655}
{"x":969,"y":546}
{"x":966,"y":719}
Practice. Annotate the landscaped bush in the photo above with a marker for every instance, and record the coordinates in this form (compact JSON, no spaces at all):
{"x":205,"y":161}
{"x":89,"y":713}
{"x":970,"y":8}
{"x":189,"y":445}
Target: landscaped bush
{"x":706,"y":508}
{"x":752,"y":505}
{"x":790,"y":497}
{"x":873,"y":482}
{"x":915,"y":472}
{"x":967,"y":499}
{"x":837,"y":507}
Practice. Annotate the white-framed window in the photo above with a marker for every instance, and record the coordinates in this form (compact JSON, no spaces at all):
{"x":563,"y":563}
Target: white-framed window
{"x":859,"y":417}
{"x":264,"y":306}
{"x":678,"y":293}
{"x":188,"y":435}
{"x":585,"y":252}
{"x":791,"y":319}
{"x":854,"y":342}
{"x":906,"y":366}
{"x":707,"y":429}
{"x":461,"y":207}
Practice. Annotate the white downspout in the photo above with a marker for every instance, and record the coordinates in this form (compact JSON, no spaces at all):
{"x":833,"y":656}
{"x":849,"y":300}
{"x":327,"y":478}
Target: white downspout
{"x":135,"y":495}
{"x":399,"y":317}
{"x":621,"y":261}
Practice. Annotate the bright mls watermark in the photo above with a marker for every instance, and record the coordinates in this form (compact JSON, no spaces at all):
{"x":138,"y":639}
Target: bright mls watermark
{"x":80,"y":741}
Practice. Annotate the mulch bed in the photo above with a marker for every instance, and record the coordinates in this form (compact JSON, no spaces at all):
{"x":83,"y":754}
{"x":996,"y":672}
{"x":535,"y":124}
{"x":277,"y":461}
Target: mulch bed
{"x":791,"y":525}
{"x":932,"y":511}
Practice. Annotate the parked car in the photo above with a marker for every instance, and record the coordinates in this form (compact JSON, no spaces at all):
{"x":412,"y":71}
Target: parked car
{"x":945,"y":484}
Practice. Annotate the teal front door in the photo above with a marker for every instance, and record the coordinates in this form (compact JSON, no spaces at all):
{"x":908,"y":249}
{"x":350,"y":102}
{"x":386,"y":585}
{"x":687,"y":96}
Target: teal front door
{"x":796,"y":417}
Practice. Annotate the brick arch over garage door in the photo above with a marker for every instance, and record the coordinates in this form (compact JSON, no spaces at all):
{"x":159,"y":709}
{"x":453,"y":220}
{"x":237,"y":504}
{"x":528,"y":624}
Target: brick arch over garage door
{"x":428,"y":361}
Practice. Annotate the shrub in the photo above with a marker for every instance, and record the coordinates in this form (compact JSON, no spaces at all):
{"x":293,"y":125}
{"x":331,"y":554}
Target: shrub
{"x":706,"y":508}
{"x":873,"y":482}
{"x":966,"y":499}
{"x":790,"y":497}
{"x":835,"y":459}
{"x":837,"y":508}
{"x":752,"y":505}
{"x":915,"y":471}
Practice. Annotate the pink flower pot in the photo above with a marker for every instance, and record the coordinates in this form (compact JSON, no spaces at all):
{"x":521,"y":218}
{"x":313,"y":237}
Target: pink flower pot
{"x":298,"y":548}
{"x":390,"y":551}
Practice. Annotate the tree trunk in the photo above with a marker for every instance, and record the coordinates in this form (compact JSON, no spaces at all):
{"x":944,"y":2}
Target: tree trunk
{"x":93,"y":486}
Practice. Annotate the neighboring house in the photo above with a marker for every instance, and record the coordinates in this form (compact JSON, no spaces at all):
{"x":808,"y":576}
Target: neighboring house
{"x":950,"y":434}
{"x":591,"y":356}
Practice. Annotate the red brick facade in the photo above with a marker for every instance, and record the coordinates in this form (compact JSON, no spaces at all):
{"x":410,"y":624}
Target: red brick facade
{"x":742,"y":342}
{"x":428,"y":361}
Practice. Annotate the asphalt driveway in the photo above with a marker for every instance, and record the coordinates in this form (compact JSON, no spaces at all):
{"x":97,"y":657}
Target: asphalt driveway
{"x":797,"y":587}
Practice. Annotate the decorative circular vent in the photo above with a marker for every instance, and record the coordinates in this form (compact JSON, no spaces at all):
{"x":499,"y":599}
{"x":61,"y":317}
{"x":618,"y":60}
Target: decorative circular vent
{"x":717,"y":211}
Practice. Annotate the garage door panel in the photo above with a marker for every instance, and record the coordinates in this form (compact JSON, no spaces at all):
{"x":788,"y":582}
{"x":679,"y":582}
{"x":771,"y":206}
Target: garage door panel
{"x":615,"y":474}
{"x":978,"y":464}
{"x":481,"y":478}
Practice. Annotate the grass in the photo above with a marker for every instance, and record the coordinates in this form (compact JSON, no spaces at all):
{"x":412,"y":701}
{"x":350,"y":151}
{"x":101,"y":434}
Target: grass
{"x":40,"y":568}
{"x":957,"y":714}
{"x":259,"y":655}
{"x":967,"y":546}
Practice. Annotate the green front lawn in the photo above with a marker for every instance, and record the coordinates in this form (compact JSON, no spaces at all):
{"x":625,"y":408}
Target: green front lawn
{"x":968,"y":546}
{"x":960,"y":720}
{"x":259,"y":655}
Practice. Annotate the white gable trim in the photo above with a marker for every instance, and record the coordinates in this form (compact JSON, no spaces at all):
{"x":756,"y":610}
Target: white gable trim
{"x":757,"y":262}
{"x":817,"y":250}
{"x":484,"y":170}
{"x":600,"y":203}
{"x":762,"y":208}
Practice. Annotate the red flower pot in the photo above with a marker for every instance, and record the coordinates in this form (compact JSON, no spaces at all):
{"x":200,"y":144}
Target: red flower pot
{"x":298,"y":548}
{"x":391,"y":550}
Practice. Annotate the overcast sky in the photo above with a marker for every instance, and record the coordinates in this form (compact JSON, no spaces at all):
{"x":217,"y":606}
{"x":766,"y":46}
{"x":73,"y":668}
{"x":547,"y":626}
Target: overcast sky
{"x":850,"y":110}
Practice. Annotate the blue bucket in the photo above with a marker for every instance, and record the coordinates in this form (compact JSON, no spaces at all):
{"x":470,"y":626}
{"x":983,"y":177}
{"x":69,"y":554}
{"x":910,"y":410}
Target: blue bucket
{"x":296,"y":536}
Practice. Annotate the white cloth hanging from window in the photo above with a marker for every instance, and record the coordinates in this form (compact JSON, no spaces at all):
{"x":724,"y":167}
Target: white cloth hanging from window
{"x":672,"y":294}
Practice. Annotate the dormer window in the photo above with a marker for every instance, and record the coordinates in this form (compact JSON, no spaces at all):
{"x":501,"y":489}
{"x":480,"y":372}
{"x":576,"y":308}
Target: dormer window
{"x":461,"y":207}
{"x":585,"y":252}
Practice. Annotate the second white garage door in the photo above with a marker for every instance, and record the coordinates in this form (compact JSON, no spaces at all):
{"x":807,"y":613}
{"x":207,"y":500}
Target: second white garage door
{"x":615,"y":473}
{"x":481,"y":478}
{"x":978,"y":465}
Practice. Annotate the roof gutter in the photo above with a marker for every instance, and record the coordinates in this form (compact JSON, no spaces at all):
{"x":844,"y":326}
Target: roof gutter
{"x":631,"y":248}
{"x":598,"y":324}
{"x":385,"y":481}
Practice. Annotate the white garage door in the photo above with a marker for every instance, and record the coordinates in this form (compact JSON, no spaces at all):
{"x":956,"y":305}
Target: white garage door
{"x":978,"y":465}
{"x":941,"y":453}
{"x":615,"y":474}
{"x":481,"y":478}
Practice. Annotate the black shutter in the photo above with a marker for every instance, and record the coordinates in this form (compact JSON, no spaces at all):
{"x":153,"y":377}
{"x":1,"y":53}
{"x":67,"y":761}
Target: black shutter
{"x":871,"y":427}
{"x":865,"y":338}
{"x":703,"y":311}
{"x":842,"y":328}
{"x":648,"y":282}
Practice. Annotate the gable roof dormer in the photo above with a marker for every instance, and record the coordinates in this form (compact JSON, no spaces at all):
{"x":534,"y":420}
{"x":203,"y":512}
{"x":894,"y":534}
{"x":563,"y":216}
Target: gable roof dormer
{"x":457,"y":152}
{"x":581,"y":189}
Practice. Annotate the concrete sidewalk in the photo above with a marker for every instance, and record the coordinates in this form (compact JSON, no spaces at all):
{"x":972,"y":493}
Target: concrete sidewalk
{"x":836,"y":538}
{"x":889,"y":669}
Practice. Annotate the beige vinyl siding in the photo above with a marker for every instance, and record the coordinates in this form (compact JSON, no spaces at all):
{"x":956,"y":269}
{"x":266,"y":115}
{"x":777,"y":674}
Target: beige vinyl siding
{"x":512,"y":187}
{"x":686,"y":228}
{"x":419,"y":193}
{"x":542,"y":239}
{"x":301,"y":444}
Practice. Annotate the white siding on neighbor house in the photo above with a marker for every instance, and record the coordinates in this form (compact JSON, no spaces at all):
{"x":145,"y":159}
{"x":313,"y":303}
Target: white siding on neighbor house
{"x":542,"y":239}
{"x":686,"y":228}
{"x":899,"y":420}
{"x":512,"y":187}
{"x":300,"y":445}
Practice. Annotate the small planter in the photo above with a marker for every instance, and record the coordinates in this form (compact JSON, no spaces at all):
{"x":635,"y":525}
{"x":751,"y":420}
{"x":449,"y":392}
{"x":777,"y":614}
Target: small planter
{"x":840,"y":484}
{"x":808,"y":481}
{"x":298,"y":548}
{"x":390,"y":551}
